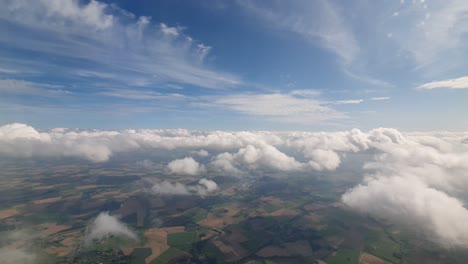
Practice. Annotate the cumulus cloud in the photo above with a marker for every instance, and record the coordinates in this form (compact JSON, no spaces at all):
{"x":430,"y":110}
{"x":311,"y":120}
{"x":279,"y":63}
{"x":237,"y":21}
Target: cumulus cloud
{"x":202,"y":153}
{"x":255,"y":157}
{"x":409,"y":201}
{"x":458,"y":83}
{"x":202,"y":188}
{"x":415,"y":180}
{"x":105,"y":226}
{"x":185,"y":166}
{"x":408,"y":177}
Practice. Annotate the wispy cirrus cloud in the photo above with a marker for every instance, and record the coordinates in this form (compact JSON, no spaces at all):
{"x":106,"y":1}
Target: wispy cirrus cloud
{"x":111,"y":45}
{"x":21,"y":87}
{"x":282,"y":107}
{"x":457,"y":83}
{"x":382,"y":98}
{"x":322,"y":24}
{"x":352,"y":101}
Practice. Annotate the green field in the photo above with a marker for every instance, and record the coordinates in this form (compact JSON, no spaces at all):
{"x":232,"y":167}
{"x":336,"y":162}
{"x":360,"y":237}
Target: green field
{"x":270,"y":208}
{"x":181,"y":238}
{"x":211,"y":253}
{"x":139,"y":255}
{"x":384,"y":248}
{"x":199,"y":216}
{"x":344,"y":256}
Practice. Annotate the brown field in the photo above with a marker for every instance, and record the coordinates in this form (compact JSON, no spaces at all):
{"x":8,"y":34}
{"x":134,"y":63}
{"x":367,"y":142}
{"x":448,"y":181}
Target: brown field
{"x":86,"y":187}
{"x":173,"y":229}
{"x":8,"y":213}
{"x":220,"y":222}
{"x":104,"y":194}
{"x":48,"y":200}
{"x":272,"y":200}
{"x":156,"y":239}
{"x":287,"y":212}
{"x":68,"y":242}
{"x":222,"y":246}
{"x":127,"y":251}
{"x":123,"y":196}
{"x":209,"y":234}
{"x":366,"y":258}
{"x":50,"y":229}
{"x":59,"y":251}
{"x":43,"y":187}
{"x":229,"y":243}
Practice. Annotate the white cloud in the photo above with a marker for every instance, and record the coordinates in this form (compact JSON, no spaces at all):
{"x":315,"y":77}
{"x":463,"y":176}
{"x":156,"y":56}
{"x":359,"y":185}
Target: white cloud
{"x":18,"y":247}
{"x":14,"y":256}
{"x":185,"y":166}
{"x":354,"y":101}
{"x":414,"y":180}
{"x":281,"y":107}
{"x":458,"y":83}
{"x":409,"y":201}
{"x":254,"y":158}
{"x":380,"y":98}
{"x":201,"y":153}
{"x":203,"y":188}
{"x":411,"y":175}
{"x":318,"y":22}
{"x":104,"y":226}
{"x":432,"y":34}
{"x":170,"y":31}
{"x":20,"y":87}
{"x":135,"y":51}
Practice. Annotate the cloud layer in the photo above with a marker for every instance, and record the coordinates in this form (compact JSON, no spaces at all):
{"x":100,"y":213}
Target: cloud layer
{"x":416,"y":178}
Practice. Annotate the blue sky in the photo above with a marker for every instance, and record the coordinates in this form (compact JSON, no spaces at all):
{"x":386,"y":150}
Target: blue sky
{"x":236,"y":65}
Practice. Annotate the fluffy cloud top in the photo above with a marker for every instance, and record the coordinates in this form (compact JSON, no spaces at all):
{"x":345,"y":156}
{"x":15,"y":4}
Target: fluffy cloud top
{"x":105,"y":226}
{"x":411,"y":202}
{"x":186,"y":166}
{"x":203,"y":188}
{"x":414,"y":178}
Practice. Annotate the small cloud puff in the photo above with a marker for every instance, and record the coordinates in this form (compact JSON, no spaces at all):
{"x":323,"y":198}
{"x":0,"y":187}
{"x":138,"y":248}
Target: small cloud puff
{"x":105,"y":226}
{"x":203,"y":188}
{"x":185,"y":166}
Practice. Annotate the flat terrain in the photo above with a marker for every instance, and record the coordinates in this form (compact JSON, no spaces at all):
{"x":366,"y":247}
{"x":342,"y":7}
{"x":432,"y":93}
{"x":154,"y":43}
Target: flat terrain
{"x":46,"y":209}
